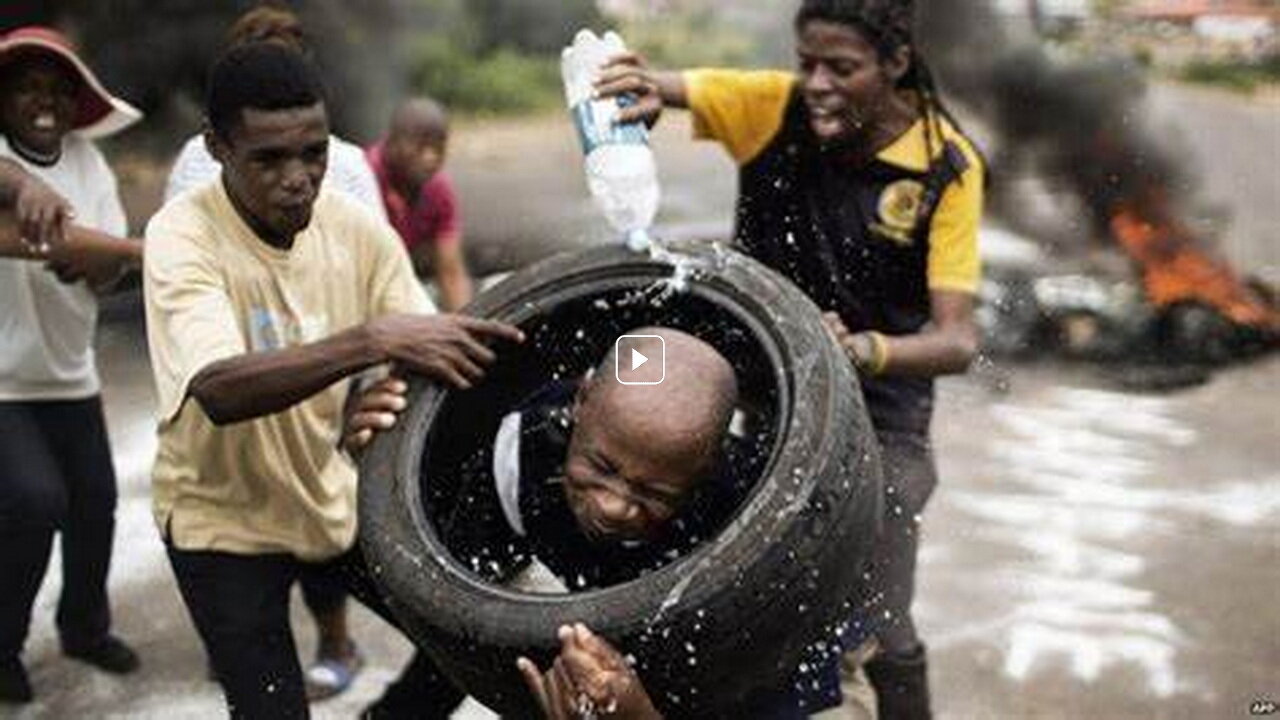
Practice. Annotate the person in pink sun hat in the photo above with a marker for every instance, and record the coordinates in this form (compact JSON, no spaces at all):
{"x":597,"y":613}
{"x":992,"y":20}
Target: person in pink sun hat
{"x":62,"y":237}
{"x":98,"y":113}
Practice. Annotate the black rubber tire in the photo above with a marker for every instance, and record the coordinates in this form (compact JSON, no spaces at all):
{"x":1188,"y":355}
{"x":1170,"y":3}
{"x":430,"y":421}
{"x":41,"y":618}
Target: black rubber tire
{"x":711,"y":628}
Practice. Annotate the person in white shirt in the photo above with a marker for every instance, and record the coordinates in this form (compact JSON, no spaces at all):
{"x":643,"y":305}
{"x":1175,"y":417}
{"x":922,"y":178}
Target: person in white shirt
{"x":56,"y":193}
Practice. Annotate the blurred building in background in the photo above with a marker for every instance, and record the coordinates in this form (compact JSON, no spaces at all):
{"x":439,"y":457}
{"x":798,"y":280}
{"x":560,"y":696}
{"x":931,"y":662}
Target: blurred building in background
{"x":1209,"y":29}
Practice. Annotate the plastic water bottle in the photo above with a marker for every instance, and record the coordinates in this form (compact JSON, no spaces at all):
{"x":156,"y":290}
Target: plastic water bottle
{"x":621,"y":173}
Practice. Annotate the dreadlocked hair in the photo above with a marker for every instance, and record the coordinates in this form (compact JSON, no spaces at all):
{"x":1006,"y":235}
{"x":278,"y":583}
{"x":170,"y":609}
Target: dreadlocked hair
{"x":888,"y":25}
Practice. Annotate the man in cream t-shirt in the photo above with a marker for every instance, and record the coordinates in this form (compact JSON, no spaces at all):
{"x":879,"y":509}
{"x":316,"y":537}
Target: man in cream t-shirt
{"x":264,"y":296}
{"x":338,"y":658}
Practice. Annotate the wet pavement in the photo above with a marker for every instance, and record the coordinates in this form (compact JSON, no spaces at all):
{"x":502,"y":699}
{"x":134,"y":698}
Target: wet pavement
{"x":1097,"y":554}
{"x":1090,"y":553}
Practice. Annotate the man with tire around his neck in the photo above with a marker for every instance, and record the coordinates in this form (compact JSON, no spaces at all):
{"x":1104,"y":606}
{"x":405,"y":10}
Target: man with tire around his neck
{"x":601,"y":483}
{"x":264,"y":297}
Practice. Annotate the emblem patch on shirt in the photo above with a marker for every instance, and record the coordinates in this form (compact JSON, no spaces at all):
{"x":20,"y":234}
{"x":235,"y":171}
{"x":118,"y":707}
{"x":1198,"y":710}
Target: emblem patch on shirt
{"x":268,"y":330}
{"x":899,"y":210}
{"x":264,"y":330}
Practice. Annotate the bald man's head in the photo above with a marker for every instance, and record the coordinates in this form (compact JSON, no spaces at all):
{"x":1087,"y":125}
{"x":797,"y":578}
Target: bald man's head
{"x":420,"y":117}
{"x":414,"y":150}
{"x":692,"y":404}
{"x":638,"y":452}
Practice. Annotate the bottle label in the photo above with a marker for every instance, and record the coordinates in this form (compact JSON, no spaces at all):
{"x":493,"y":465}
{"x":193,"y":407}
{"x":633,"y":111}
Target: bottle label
{"x":594,"y":121}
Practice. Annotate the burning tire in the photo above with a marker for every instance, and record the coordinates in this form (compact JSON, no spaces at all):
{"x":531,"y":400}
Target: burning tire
{"x":712,"y":627}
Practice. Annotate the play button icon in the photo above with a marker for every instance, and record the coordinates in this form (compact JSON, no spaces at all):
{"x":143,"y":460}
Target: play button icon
{"x":640,"y":359}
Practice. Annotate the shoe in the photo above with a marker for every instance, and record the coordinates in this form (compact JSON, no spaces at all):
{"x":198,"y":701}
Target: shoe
{"x":109,"y":654}
{"x":15,"y":688}
{"x":901,"y":683}
{"x":331,"y":676}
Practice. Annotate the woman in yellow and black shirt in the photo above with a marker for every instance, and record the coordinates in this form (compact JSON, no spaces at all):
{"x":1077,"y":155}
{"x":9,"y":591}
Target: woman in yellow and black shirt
{"x":856,"y":184}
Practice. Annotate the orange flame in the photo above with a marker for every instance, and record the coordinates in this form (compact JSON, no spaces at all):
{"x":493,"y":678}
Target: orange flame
{"x":1174,"y":271}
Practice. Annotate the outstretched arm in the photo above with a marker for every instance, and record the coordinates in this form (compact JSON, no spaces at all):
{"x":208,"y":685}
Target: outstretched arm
{"x":96,"y":257}
{"x":448,"y":348}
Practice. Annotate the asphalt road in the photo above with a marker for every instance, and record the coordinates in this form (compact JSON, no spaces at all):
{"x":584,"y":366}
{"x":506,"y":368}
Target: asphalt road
{"x":1090,"y":553}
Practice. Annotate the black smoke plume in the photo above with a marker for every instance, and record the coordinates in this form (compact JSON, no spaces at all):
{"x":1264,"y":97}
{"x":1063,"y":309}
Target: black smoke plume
{"x":1075,"y":121}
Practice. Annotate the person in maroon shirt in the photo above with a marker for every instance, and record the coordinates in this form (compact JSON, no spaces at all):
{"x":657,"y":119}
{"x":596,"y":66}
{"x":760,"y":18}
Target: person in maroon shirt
{"x":419,"y":197}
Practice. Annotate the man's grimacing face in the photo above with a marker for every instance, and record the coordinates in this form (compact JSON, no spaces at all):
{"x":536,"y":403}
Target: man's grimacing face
{"x":628,"y":474}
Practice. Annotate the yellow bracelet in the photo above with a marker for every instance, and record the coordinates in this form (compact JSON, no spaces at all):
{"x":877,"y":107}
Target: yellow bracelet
{"x":879,"y":353}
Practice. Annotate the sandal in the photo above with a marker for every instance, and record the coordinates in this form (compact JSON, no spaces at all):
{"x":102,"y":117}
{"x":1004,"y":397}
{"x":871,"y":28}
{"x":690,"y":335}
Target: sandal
{"x":331,"y":676}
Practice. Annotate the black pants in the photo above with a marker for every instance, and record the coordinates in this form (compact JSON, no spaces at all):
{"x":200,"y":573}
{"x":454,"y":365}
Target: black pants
{"x":240,"y":606}
{"x":55,"y":475}
{"x":323,"y":592}
{"x":910,"y":478}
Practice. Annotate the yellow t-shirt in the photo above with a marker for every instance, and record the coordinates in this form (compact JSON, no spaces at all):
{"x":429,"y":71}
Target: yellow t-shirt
{"x":744,"y":109}
{"x":276,"y":484}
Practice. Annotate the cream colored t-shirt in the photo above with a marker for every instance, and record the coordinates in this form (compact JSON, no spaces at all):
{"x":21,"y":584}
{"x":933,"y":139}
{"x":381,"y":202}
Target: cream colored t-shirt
{"x":276,"y":484}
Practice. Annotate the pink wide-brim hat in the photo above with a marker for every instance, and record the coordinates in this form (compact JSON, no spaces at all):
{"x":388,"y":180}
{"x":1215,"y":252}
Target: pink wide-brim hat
{"x":98,"y":112}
